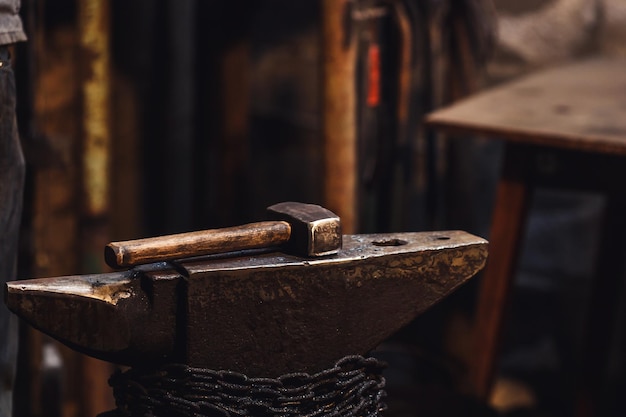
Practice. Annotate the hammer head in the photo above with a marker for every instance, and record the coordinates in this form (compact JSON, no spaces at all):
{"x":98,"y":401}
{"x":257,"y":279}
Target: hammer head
{"x":315,"y":231}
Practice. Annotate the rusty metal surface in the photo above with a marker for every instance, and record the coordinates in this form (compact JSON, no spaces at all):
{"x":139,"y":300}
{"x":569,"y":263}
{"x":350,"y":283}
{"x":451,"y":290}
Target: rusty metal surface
{"x":265,"y":315}
{"x":275,"y":314}
{"x":315,"y":230}
{"x":94,"y":42}
{"x":123,"y":317}
{"x":94,"y":38}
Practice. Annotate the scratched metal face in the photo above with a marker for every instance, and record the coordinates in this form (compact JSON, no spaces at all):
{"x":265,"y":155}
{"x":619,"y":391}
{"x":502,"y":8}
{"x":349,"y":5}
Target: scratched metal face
{"x":324,"y":237}
{"x":275,"y":313}
{"x":264,"y":315}
{"x":124,"y":317}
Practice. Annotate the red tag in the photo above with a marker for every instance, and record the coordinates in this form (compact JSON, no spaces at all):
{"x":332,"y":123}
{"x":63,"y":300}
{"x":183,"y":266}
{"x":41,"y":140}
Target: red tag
{"x":373,"y":85}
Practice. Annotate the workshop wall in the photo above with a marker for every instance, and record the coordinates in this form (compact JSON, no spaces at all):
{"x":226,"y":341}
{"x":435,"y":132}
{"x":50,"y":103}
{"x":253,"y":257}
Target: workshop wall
{"x":215,"y":114}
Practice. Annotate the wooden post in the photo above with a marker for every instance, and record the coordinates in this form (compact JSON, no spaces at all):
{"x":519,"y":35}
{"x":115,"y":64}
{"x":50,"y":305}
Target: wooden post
{"x":178,"y":114}
{"x":53,"y":211}
{"x":94,"y":39}
{"x":234,"y":75}
{"x":339,"y":111}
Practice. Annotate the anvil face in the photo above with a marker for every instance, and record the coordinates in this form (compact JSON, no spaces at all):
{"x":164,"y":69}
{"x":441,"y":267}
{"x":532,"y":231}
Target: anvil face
{"x":264,"y":315}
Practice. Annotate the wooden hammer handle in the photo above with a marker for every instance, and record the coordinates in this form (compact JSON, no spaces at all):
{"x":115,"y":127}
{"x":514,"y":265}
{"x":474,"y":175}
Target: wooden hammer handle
{"x":205,"y":242}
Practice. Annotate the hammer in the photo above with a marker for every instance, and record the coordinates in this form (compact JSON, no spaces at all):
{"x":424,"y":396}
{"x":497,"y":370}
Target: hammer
{"x":300,"y":229}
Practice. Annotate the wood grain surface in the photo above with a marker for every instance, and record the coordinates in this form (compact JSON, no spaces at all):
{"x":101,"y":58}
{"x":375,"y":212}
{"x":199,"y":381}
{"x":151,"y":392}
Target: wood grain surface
{"x":578,"y":106}
{"x":204,"y":242}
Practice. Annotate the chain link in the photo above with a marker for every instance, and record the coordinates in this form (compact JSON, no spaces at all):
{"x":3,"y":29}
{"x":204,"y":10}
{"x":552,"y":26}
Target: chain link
{"x":353,"y":387}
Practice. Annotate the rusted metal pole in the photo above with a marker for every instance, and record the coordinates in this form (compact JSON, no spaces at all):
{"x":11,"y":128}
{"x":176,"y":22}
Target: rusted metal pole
{"x":339,"y":111}
{"x":94,"y":39}
{"x":94,"y":42}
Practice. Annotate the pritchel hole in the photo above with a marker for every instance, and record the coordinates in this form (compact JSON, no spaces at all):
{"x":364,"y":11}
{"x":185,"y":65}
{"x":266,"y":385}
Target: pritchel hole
{"x":390,"y":242}
{"x":442,"y":237}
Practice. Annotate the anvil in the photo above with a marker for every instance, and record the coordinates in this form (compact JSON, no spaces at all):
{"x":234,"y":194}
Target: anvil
{"x":263,"y":314}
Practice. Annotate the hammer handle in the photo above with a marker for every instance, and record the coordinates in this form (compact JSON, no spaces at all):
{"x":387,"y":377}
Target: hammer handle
{"x":205,"y":242}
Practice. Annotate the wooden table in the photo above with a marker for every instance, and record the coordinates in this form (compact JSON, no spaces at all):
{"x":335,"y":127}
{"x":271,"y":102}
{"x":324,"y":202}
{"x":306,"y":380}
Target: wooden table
{"x":564,"y":127}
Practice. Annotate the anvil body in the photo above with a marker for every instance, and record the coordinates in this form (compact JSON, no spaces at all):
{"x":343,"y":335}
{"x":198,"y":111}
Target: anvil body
{"x":262,"y":314}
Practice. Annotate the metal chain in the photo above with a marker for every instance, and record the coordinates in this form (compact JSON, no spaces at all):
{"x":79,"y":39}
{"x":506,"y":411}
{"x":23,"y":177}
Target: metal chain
{"x":353,"y":387}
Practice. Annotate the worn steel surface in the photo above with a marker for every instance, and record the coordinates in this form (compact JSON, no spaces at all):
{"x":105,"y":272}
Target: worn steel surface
{"x":264,"y":315}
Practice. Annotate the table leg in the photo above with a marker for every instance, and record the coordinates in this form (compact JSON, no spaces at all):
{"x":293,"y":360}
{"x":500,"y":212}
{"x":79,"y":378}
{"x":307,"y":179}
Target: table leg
{"x":509,"y":218}
{"x":603,"y":307}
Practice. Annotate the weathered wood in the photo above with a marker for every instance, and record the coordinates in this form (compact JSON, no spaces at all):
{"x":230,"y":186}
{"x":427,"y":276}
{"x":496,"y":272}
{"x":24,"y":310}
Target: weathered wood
{"x":55,"y":219}
{"x":234,"y":135}
{"x":94,"y":37}
{"x":564,"y":128}
{"x":507,"y":227}
{"x":178,"y":102}
{"x":205,"y":242}
{"x":551,"y":108}
{"x":339,"y":110}
{"x":304,"y":229}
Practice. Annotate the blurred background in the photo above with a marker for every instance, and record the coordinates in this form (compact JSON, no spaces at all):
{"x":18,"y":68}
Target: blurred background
{"x":145,"y":117}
